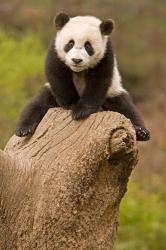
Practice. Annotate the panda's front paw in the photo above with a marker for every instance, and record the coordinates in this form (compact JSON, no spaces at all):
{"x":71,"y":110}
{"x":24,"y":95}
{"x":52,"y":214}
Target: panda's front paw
{"x":142,"y":134}
{"x":81,"y":111}
{"x":25,"y":129}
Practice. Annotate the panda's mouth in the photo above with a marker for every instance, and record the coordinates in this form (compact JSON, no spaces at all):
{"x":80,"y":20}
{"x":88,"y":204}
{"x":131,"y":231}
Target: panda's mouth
{"x":77,"y":66}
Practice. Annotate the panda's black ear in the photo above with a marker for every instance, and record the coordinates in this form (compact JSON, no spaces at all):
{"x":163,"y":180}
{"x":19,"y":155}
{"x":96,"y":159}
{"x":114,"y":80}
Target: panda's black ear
{"x":106,"y":27}
{"x":60,"y":20}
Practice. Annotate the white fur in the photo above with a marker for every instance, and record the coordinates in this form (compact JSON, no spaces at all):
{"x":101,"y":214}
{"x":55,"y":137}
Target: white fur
{"x":116,"y":87}
{"x":81,"y":29}
{"x":47,"y":85}
{"x":79,"y":82}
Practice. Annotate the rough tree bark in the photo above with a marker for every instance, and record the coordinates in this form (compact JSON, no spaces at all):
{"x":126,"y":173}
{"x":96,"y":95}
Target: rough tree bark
{"x":61,"y":188}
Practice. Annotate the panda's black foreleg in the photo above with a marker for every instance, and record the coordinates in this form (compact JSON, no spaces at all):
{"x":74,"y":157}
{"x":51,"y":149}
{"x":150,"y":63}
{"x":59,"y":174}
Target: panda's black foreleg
{"x":33,"y":113}
{"x":124,"y":105}
{"x":60,"y":78}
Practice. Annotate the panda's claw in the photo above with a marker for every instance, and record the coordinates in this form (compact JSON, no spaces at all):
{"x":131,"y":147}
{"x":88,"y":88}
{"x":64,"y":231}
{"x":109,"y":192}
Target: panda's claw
{"x":142,"y":134}
{"x":25,"y":130}
{"x":77,"y":115}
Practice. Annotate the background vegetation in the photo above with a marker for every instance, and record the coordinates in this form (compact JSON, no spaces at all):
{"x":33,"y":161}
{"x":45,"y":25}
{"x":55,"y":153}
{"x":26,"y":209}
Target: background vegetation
{"x":139,"y":39}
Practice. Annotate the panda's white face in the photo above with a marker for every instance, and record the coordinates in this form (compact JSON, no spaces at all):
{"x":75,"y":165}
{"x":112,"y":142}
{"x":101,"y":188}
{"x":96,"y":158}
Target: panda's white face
{"x":80,"y":43}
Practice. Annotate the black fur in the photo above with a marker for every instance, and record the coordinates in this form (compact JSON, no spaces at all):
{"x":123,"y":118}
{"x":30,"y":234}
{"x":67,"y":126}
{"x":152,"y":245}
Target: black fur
{"x":60,"y":78}
{"x":124,"y":105}
{"x":60,"y":20}
{"x":89,"y":48}
{"x":34,"y":112}
{"x":69,"y":46}
{"x":106,"y":27}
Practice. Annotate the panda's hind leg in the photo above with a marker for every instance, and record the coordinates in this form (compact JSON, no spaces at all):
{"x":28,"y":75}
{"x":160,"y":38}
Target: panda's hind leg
{"x":33,"y":113}
{"x":124,"y":105}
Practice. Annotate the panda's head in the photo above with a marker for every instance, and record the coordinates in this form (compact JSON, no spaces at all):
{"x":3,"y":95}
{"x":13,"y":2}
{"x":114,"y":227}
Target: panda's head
{"x":81,"y":41}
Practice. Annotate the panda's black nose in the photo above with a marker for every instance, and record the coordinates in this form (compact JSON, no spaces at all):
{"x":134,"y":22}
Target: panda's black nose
{"x":77,"y":61}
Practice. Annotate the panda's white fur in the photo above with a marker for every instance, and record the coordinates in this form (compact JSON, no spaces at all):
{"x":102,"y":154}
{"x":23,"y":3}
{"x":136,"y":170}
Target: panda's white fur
{"x":82,"y":29}
{"x":116,"y":87}
{"x":76,"y":29}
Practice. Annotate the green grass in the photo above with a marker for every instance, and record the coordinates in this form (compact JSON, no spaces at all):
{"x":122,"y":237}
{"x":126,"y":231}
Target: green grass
{"x":21,"y":64}
{"x":142,"y":221}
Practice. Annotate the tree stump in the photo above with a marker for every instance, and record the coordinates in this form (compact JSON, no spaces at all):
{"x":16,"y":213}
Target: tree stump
{"x":61,"y":188}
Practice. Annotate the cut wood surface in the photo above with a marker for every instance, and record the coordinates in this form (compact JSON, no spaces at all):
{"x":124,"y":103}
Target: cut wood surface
{"x":61,"y":188}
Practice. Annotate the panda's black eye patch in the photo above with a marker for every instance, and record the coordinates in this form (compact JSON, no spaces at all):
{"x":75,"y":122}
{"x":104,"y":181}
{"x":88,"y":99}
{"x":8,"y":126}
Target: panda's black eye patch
{"x":69,"y":46}
{"x":89,"y":48}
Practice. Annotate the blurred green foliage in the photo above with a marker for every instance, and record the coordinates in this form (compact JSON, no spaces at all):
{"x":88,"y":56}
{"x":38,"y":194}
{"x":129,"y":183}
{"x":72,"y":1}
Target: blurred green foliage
{"x":142,"y":221}
{"x":21,"y":64}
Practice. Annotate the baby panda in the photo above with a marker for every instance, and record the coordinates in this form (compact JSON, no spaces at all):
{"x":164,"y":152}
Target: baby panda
{"x":82,"y":74}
